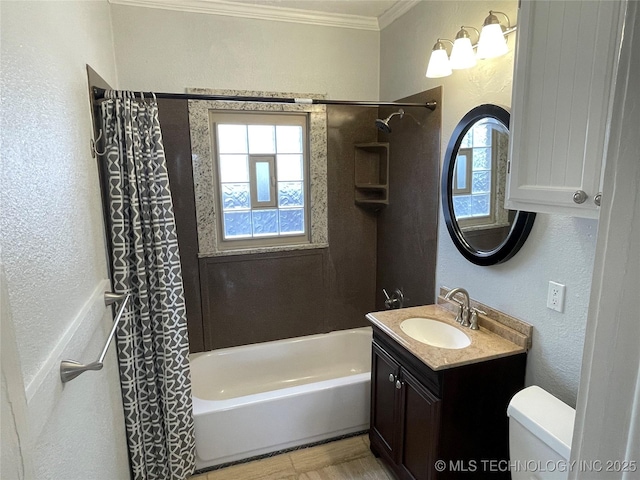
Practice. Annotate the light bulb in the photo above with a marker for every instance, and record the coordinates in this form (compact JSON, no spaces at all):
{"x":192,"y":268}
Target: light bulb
{"x":492,"y":42}
{"x":462,"y":54}
{"x":438,"y":62}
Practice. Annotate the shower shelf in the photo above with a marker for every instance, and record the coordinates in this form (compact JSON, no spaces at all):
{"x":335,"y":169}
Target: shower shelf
{"x":372,"y":175}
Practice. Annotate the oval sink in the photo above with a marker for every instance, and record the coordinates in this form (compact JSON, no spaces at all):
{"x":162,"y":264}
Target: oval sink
{"x":435,"y":333}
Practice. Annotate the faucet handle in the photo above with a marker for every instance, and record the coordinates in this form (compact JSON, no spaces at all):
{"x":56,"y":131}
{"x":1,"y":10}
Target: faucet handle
{"x":474,"y":318}
{"x":395,"y":300}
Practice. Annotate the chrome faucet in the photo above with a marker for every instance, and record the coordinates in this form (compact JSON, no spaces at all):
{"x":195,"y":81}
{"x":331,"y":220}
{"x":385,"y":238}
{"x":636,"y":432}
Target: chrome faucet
{"x":463,"y":307}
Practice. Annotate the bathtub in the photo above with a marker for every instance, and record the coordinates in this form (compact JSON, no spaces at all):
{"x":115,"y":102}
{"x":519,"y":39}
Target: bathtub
{"x":257,"y":399}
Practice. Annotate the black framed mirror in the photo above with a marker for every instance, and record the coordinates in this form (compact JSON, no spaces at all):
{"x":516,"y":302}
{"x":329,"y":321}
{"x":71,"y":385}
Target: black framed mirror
{"x":473,"y":189}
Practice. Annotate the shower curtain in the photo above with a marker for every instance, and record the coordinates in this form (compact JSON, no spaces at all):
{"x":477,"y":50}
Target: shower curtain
{"x":153,"y":345}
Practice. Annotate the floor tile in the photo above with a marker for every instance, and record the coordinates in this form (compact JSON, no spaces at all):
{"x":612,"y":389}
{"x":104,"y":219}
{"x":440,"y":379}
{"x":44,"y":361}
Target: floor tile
{"x":315,"y":458}
{"x":273,"y":468}
{"x":365,"y":468}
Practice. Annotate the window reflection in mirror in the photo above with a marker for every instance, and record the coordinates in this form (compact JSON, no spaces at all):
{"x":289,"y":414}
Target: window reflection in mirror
{"x":479,"y":181}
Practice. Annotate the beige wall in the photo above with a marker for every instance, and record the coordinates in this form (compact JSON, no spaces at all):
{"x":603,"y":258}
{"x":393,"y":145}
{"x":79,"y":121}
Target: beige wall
{"x":53,"y":250}
{"x":168,"y":51}
{"x":559,"y":248}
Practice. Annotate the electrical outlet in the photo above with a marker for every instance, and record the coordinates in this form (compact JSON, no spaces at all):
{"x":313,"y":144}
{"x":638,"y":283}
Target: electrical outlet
{"x":555,"y":297}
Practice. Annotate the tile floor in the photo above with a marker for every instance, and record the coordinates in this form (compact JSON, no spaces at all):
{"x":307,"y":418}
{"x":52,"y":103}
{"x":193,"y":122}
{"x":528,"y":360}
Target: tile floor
{"x":348,"y":459}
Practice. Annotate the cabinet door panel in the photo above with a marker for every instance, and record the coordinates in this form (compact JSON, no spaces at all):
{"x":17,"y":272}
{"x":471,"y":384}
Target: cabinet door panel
{"x":385,"y":371}
{"x":420,"y":426}
{"x":561,"y":98}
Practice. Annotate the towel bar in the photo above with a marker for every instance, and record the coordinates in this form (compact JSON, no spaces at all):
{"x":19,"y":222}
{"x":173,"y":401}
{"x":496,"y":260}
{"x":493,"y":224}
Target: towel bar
{"x":70,"y":369}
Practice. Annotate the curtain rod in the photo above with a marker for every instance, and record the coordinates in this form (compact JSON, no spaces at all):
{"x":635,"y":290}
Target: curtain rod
{"x":99,"y":94}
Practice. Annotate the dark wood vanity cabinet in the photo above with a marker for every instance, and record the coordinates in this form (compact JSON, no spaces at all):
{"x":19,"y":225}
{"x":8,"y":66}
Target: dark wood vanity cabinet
{"x":458,"y":416}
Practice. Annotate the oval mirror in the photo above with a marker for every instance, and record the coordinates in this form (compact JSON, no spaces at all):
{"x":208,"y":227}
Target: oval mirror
{"x":473,"y":189}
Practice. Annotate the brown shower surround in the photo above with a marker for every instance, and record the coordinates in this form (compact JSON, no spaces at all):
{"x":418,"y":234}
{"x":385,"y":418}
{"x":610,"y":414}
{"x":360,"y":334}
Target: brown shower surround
{"x":243,"y":299}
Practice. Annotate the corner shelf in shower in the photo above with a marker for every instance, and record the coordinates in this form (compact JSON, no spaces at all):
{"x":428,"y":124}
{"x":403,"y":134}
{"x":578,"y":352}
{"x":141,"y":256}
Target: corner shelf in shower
{"x":371,"y":175}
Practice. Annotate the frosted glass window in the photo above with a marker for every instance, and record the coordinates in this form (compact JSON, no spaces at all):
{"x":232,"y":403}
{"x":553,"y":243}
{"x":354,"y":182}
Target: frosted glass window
{"x":481,"y":182}
{"x":234,"y":168}
{"x":261,"y":174}
{"x":265,"y":222}
{"x":262,"y":139}
{"x":290,"y":194}
{"x":461,"y":172}
{"x":289,"y":139}
{"x":467,"y":140}
{"x":462,"y":205}
{"x":235,"y":196}
{"x":232,"y":139}
{"x":481,"y":159}
{"x":480,"y":205}
{"x":292,"y":221}
{"x":263,"y":181}
{"x":290,"y":167}
{"x":482,"y":135}
{"x":237,"y":224}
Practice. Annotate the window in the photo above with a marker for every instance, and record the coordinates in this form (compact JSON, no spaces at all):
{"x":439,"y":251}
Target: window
{"x":261,"y":168}
{"x":474,"y":196}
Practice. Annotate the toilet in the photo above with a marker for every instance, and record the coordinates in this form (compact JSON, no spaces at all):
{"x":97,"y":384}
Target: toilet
{"x":540,"y":432}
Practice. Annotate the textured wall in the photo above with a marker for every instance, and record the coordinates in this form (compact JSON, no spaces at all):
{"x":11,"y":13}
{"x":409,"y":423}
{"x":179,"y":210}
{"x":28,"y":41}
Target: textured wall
{"x":165,"y":50}
{"x":52,"y":234}
{"x":559,"y":248}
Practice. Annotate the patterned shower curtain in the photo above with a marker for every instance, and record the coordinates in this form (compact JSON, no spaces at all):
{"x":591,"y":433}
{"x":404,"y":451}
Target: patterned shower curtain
{"x":153,"y":345}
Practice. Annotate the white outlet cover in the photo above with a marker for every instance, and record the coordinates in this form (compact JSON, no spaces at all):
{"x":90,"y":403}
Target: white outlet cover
{"x":555,"y":296}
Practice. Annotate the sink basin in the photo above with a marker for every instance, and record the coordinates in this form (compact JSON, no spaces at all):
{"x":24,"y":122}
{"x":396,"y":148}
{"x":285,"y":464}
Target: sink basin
{"x":435,"y":333}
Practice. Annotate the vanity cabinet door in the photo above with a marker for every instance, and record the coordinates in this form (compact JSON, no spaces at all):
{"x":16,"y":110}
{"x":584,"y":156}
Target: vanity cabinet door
{"x":384,"y":399}
{"x":564,"y":72}
{"x":420,"y":413}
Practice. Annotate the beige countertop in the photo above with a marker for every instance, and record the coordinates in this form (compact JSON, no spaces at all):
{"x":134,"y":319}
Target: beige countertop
{"x":485,"y":345}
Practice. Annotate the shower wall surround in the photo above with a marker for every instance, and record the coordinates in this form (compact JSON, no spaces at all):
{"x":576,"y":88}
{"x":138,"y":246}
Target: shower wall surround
{"x":408,"y":226}
{"x":238,"y":299}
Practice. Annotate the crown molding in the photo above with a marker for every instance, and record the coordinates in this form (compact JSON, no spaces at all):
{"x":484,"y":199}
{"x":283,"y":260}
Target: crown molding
{"x":395,"y":12}
{"x":262,"y":12}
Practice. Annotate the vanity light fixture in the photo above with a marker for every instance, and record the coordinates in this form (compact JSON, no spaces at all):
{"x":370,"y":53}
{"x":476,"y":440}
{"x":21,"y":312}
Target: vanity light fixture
{"x":492,"y":42}
{"x":462,"y":55}
{"x":439,"y":65}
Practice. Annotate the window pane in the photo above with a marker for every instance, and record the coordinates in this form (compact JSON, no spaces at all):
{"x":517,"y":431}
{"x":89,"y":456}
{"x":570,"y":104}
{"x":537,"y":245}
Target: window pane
{"x":265,"y":222}
{"x":263,"y":182}
{"x":467,"y":139}
{"x":482,"y":135}
{"x":290,"y":194}
{"x":292,"y":221}
{"x":461,"y":172}
{"x":462,"y":205}
{"x":233,"y":168}
{"x":237,"y":224}
{"x":262,"y":139}
{"x":289,"y":167}
{"x":480,"y":205}
{"x":232,"y":139}
{"x":482,"y":159}
{"x":235,"y":195}
{"x":481,"y":182}
{"x":289,"y":138}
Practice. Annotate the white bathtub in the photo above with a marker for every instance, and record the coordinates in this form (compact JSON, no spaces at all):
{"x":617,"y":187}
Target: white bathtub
{"x":262,"y":398}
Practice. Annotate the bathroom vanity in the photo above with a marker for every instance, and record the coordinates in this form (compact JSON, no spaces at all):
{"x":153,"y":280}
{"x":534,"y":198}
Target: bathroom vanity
{"x":439,"y":413}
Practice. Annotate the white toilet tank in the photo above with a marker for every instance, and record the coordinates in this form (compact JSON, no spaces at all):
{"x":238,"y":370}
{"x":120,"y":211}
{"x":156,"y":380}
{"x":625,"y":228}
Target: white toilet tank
{"x":540,"y":431}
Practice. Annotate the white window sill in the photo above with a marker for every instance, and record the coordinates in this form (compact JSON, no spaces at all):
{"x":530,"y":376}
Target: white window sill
{"x":255,"y":250}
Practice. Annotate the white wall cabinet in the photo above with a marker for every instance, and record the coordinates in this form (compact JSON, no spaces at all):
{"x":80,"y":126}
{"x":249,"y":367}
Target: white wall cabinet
{"x":566,"y":56}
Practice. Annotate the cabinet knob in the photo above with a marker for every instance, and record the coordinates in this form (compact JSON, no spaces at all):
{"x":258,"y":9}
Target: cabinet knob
{"x":398,"y":384}
{"x":392,"y":377}
{"x":580,"y":196}
{"x":597,"y":199}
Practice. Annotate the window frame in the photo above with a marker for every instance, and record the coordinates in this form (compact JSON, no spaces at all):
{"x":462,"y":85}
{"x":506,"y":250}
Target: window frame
{"x":260,"y":118}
